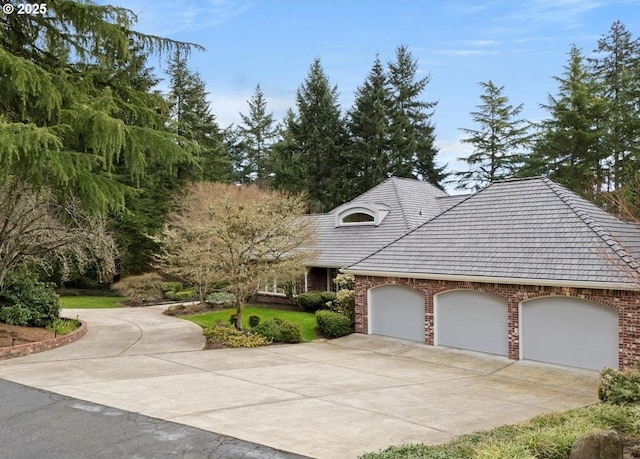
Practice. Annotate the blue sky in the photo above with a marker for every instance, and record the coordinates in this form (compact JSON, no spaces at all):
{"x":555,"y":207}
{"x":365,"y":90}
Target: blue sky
{"x":520,"y":44}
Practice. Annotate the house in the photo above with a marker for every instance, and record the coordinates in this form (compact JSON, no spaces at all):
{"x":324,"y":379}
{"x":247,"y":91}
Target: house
{"x":523,"y":268}
{"x":358,"y":228}
{"x":374,"y":219}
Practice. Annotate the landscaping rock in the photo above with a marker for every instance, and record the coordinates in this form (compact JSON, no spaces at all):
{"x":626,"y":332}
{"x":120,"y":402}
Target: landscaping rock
{"x":598,"y":445}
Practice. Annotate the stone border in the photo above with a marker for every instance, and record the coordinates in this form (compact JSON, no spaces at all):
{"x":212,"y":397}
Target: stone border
{"x":22,"y":350}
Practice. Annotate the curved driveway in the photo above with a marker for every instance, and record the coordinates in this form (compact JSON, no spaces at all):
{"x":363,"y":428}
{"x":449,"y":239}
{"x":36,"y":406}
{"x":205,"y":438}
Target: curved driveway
{"x":326,"y":399}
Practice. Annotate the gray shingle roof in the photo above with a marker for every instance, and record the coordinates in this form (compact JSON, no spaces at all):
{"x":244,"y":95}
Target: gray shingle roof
{"x":411,"y":203}
{"x":531,"y":229}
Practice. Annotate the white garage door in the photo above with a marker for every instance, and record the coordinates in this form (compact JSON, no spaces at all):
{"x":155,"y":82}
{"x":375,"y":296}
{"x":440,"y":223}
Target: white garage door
{"x":396,"y":311}
{"x":473,"y":320}
{"x":569,"y":331}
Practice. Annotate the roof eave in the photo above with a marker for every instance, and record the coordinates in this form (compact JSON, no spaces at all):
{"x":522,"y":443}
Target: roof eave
{"x":499,"y":280}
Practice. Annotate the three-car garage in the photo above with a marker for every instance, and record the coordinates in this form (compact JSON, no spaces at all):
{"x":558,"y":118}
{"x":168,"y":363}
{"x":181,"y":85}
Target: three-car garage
{"x":552,"y":329}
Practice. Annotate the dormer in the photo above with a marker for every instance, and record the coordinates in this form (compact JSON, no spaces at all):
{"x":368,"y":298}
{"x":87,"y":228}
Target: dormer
{"x":361,"y":214}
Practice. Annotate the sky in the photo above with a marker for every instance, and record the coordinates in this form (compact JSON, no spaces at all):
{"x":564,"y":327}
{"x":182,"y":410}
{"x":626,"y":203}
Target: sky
{"x":518,"y":44}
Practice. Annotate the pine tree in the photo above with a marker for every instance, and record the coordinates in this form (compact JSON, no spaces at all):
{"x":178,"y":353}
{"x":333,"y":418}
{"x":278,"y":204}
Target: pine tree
{"x":412,"y":134}
{"x":286,"y":160}
{"x":569,"y":148}
{"x":368,"y":129}
{"x":617,"y":66}
{"x":498,"y":142}
{"x":314,"y":144}
{"x":66,"y":120}
{"x":255,"y":140}
{"x":192,"y":120}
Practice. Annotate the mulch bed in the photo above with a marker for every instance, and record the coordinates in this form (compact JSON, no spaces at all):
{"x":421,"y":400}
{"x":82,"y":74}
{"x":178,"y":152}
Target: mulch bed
{"x":13,"y":335}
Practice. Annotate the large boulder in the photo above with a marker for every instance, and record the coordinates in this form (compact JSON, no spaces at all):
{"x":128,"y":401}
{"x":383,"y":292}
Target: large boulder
{"x":598,"y":445}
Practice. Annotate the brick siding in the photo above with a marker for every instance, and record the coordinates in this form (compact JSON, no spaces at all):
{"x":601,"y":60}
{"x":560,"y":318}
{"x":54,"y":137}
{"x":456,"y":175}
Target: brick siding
{"x":626,"y":303}
{"x":21,"y":350}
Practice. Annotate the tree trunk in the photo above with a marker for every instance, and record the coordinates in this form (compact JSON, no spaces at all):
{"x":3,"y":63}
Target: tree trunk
{"x":238,"y":315}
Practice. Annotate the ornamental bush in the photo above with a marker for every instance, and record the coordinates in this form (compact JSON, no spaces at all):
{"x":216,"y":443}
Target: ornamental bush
{"x":140,"y":289}
{"x":254,"y":320}
{"x":346,"y":304}
{"x":619,"y":387}
{"x":229,"y":336}
{"x":220,"y":298}
{"x":279,"y":331}
{"x":27,"y":301}
{"x":315,"y":300}
{"x":15,"y":315}
{"x":333,"y":324}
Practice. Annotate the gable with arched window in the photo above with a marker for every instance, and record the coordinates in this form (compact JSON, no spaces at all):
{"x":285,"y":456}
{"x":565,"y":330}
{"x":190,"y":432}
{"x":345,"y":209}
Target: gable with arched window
{"x":361,"y":214}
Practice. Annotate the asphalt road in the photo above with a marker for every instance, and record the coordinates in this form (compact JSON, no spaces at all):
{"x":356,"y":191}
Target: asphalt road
{"x":36,"y":423}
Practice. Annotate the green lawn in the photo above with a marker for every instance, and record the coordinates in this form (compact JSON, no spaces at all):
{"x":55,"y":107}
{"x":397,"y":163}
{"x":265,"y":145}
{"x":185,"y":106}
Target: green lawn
{"x":306,"y":320}
{"x":91,"y":302}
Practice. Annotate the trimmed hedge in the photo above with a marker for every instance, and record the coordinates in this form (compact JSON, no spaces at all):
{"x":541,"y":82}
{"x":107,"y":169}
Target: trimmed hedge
{"x":315,"y":300}
{"x":279,"y":331}
{"x":333,"y":324}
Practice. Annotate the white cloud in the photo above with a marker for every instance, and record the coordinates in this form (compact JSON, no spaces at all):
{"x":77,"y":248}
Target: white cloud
{"x":559,"y":13}
{"x":481,"y":43}
{"x":168,"y":18}
{"x":463,"y":52}
{"x":227,"y":106}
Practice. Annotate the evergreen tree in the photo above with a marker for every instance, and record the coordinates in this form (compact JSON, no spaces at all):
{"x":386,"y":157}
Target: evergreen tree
{"x":255,"y":140}
{"x":569,"y":148}
{"x":314,"y":144}
{"x":193,"y":121}
{"x":497,"y":143}
{"x":617,"y":66}
{"x":368,"y":128}
{"x":67,"y":120}
{"x":286,"y":160}
{"x":412,"y":135}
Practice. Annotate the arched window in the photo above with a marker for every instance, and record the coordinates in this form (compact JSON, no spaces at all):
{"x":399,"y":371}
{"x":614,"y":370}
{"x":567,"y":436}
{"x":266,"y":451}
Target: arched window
{"x":361,"y":214}
{"x":358,"y":217}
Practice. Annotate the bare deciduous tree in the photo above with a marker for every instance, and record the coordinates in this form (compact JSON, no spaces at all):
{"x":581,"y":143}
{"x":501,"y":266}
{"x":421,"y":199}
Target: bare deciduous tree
{"x":239,"y":236}
{"x":35,"y":228}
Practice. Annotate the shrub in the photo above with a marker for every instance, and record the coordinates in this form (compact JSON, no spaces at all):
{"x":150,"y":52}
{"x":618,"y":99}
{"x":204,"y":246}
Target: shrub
{"x":169,"y":287}
{"x":220,"y":298}
{"x":142,"y":288}
{"x":229,"y":336}
{"x":328,"y":298}
{"x":254,"y":320}
{"x":619,"y":387}
{"x":345,"y":281}
{"x":181,"y":309}
{"x":184,"y":295}
{"x":279,"y":331}
{"x":63,"y":326}
{"x":333,"y":324}
{"x":233,"y":318}
{"x":15,"y":315}
{"x":346,"y":304}
{"x":312,"y":301}
{"x":27,"y":301}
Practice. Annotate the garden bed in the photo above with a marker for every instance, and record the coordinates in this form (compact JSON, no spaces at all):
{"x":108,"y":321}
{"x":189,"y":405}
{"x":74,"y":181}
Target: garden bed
{"x":11,"y":335}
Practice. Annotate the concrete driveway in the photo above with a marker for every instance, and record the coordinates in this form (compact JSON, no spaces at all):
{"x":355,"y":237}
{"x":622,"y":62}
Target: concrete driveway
{"x":326,"y":399}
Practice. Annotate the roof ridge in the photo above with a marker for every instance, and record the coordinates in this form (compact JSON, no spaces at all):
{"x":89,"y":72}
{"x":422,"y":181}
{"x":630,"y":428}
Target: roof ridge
{"x":400,"y":202}
{"x":568,"y":198}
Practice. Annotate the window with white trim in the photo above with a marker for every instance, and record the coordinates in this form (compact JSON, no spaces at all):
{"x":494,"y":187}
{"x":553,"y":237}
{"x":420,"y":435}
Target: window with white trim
{"x":361,"y":214}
